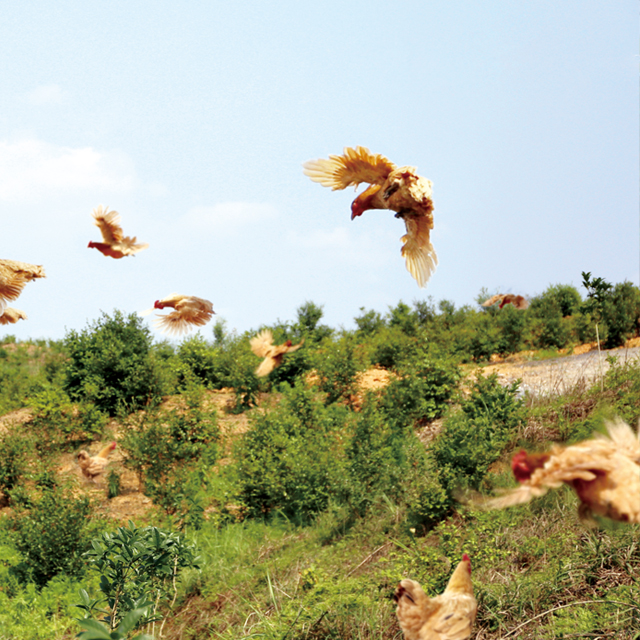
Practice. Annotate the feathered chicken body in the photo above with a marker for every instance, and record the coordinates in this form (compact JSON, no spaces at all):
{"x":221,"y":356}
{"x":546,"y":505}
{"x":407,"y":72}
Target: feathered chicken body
{"x":14,"y":276}
{"x":189,"y":311}
{"x":604,"y":472}
{"x":399,"y":189}
{"x":11,"y":316}
{"x":115,"y":244}
{"x":449,"y":616}
{"x":273,"y":354}
{"x":519,"y":302}
{"x":93,"y":466}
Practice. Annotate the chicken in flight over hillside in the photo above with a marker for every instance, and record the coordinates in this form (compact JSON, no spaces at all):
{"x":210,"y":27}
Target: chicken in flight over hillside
{"x":399,"y":189}
{"x":93,"y":466}
{"x":189,"y":311}
{"x":115,"y":244}
{"x":14,"y":276}
{"x":273,"y":354}
{"x":449,"y":616}
{"x":519,"y":302}
{"x":11,"y":316}
{"x":603,"y":471}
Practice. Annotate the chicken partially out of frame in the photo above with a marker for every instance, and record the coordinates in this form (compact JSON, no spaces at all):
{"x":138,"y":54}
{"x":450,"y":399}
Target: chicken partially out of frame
{"x":273,"y":354}
{"x":14,"y":276}
{"x":398,"y":189}
{"x":11,"y":316}
{"x":603,"y":471}
{"x":93,"y":466}
{"x":115,"y":244}
{"x":519,"y":302}
{"x":449,"y":616}
{"x":189,"y":312}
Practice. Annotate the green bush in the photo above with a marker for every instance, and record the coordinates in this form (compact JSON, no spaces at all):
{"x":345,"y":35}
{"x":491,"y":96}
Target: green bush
{"x":621,"y":314}
{"x":111,"y":364}
{"x":336,"y":365}
{"x":18,"y":450}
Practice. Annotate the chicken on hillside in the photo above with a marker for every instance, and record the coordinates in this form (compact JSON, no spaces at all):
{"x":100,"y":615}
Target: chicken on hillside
{"x":449,"y":616}
{"x":399,"y":189}
{"x":603,"y":471}
{"x":189,"y":311}
{"x":519,"y":302}
{"x":273,"y":354}
{"x":13,"y":277}
{"x":11,"y":316}
{"x":115,"y":244}
{"x":93,"y":466}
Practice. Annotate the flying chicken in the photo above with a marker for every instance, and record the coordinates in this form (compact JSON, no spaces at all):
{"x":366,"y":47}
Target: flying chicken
{"x":115,"y":244}
{"x":399,"y":189}
{"x":519,"y":302}
{"x":189,"y":311}
{"x":13,"y":277}
{"x":449,"y":616}
{"x":93,"y":466}
{"x":273,"y":354}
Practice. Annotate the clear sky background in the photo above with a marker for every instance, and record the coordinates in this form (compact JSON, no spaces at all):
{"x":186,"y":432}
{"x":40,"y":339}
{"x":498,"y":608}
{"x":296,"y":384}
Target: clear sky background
{"x":193,"y":120}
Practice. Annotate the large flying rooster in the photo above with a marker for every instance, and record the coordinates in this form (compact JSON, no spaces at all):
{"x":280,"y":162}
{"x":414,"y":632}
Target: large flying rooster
{"x":273,"y":354}
{"x":189,"y":311}
{"x":11,"y":316}
{"x":14,"y":276}
{"x":519,"y":302}
{"x":449,"y":616}
{"x":115,"y":244}
{"x":604,"y":472}
{"x":93,"y":466}
{"x":400,"y":189}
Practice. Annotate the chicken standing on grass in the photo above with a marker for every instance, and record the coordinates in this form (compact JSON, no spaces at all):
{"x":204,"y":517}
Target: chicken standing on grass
{"x":604,"y":472}
{"x":273,"y":354}
{"x":11,"y":316}
{"x":519,"y":302}
{"x":115,"y":244}
{"x":14,"y":276}
{"x":449,"y":616}
{"x":189,"y":311}
{"x":93,"y":466}
{"x":399,"y":189}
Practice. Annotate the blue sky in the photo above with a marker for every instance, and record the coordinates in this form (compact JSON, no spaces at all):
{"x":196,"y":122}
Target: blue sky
{"x":193,"y":122}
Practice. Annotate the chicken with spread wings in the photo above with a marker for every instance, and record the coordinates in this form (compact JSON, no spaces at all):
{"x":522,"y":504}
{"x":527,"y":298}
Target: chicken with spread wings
{"x":273,"y":354}
{"x":399,"y":189}
{"x":14,"y":276}
{"x":519,"y":302}
{"x":449,"y":616}
{"x":189,"y":311}
{"x":603,"y":471}
{"x":93,"y":466}
{"x":115,"y":244}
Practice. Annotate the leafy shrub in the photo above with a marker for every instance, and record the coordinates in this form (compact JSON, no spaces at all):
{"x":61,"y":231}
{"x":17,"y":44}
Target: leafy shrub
{"x":369,"y":322}
{"x":17,"y":451}
{"x":336,"y":365}
{"x":390,"y":347}
{"x":110,"y":364}
{"x":621,"y":314}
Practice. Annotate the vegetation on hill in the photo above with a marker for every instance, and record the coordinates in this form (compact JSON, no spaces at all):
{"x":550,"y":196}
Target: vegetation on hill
{"x":300,"y":524}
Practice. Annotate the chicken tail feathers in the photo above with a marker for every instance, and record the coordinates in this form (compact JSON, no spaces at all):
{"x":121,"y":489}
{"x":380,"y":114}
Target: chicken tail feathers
{"x":420,"y":256}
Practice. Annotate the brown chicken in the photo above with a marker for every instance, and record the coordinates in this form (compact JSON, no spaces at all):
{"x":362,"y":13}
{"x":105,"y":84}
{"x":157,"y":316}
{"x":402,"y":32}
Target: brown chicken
{"x":13,"y":277}
{"x":519,"y":302}
{"x":399,"y":189}
{"x":93,"y":466}
{"x":189,"y":311}
{"x":604,"y":472}
{"x":115,"y":244}
{"x":273,"y":354}
{"x":449,"y":616}
{"x":11,"y":316}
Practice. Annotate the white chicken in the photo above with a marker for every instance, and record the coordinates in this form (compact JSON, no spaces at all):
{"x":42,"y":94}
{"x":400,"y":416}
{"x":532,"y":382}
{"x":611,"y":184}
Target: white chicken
{"x":273,"y":354}
{"x":189,"y":311}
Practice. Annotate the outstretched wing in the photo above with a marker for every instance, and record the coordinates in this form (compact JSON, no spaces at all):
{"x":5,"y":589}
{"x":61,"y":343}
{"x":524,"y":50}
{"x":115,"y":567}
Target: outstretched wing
{"x":179,"y":322}
{"x":109,"y":224}
{"x":129,"y":247}
{"x":262,"y":344}
{"x":353,"y":167}
{"x":493,"y":299}
{"x":11,"y":316}
{"x":420,"y":256}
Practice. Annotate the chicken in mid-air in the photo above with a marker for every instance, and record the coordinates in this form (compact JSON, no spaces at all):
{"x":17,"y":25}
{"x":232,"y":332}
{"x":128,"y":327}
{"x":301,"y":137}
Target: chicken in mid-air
{"x":603,"y":471}
{"x":189,"y":311}
{"x":11,"y":316}
{"x":93,"y":466}
{"x":519,"y":302}
{"x":399,"y":189}
{"x":114,"y":244}
{"x":13,"y":277}
{"x":273,"y":354}
{"x":449,"y":616}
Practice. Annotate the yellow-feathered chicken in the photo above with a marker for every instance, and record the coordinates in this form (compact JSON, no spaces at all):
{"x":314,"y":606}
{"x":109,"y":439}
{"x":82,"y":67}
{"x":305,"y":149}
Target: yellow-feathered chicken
{"x":399,"y":189}
{"x":449,"y":616}
{"x":93,"y":466}
{"x":519,"y":302}
{"x":273,"y":354}
{"x":115,"y":244}
{"x":11,"y":316}
{"x":14,"y":276}
{"x":604,"y":472}
{"x":189,"y":311}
